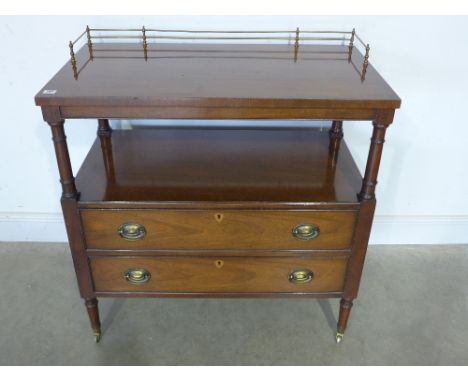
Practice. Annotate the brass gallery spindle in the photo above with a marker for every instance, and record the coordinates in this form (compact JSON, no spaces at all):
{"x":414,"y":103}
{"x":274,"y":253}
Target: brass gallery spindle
{"x":73,"y":61}
{"x":145,"y":43}
{"x":296,"y":45}
{"x":351,"y":44}
{"x":90,"y":43}
{"x":365,"y":63}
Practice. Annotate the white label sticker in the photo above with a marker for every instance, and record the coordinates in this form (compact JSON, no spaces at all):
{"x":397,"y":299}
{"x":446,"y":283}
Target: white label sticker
{"x":47,"y":91}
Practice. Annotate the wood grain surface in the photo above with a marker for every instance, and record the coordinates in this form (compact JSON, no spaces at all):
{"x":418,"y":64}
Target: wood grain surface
{"x":219,"y":76}
{"x":280,"y":166}
{"x":218,"y":229}
{"x":226,"y":274}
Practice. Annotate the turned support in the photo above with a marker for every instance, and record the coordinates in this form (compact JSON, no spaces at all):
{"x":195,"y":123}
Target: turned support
{"x":105,"y":134}
{"x":63,"y":160}
{"x":104,"y":129}
{"x":93,"y":312}
{"x":336,"y":130}
{"x":369,"y":181}
{"x":336,"y":135}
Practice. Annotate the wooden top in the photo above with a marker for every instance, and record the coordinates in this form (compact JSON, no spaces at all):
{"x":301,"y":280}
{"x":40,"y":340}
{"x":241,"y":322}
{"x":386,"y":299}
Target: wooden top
{"x":218,"y":165}
{"x":218,"y":75}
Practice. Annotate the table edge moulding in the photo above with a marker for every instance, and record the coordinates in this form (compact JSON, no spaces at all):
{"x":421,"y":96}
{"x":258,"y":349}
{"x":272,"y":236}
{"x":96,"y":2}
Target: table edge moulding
{"x":276,"y":251}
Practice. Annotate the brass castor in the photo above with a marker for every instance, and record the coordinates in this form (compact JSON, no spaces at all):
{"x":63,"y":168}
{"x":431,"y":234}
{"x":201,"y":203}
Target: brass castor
{"x":97,"y":337}
{"x":339,"y":337}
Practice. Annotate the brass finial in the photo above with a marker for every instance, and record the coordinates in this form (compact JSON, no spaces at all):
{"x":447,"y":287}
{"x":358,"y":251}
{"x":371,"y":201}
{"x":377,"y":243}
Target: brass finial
{"x":145,"y":43}
{"x":351,"y":44}
{"x":365,"y":63}
{"x":90,"y":43}
{"x":73,"y":60}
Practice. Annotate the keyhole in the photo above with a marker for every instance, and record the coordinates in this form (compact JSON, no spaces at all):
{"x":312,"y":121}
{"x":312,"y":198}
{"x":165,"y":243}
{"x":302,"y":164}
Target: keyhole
{"x":219,"y":217}
{"x":219,"y":263}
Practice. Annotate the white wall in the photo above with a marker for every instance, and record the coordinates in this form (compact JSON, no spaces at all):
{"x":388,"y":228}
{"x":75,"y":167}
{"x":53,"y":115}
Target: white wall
{"x":423,"y":185}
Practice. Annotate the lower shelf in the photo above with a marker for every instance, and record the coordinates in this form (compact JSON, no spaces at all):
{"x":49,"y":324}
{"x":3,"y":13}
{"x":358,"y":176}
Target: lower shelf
{"x":218,"y":275}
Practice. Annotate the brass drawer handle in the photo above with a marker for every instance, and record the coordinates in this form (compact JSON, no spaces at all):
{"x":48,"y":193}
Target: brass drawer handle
{"x":306,"y":231}
{"x":132,"y":231}
{"x":301,"y":276}
{"x":137,"y":276}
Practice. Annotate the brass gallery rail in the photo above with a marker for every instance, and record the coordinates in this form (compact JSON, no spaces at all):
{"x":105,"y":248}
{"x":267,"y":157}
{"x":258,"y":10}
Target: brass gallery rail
{"x":144,"y":35}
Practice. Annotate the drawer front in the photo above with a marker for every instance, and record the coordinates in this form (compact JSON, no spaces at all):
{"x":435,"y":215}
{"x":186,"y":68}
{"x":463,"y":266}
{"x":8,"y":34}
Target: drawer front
{"x":224,"y":274}
{"x":201,"y":229}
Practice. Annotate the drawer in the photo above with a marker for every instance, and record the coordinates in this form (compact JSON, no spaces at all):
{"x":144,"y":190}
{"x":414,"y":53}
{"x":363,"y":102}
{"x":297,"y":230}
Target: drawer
{"x":206,"y":229}
{"x":224,"y":274}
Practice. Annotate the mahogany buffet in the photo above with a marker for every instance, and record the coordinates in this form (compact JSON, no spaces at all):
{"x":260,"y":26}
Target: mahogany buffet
{"x":218,"y":212}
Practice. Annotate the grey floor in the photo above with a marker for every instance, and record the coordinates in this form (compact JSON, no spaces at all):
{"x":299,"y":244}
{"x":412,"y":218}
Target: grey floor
{"x":412,"y":309}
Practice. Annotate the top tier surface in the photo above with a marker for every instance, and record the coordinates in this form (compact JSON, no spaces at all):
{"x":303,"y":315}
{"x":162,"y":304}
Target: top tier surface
{"x":218,"y":75}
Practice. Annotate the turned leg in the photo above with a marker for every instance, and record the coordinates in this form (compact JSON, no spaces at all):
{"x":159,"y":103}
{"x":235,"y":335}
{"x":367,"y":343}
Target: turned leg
{"x":365,"y":217}
{"x":345,"y":310}
{"x":336,"y":135}
{"x":93,"y":312}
